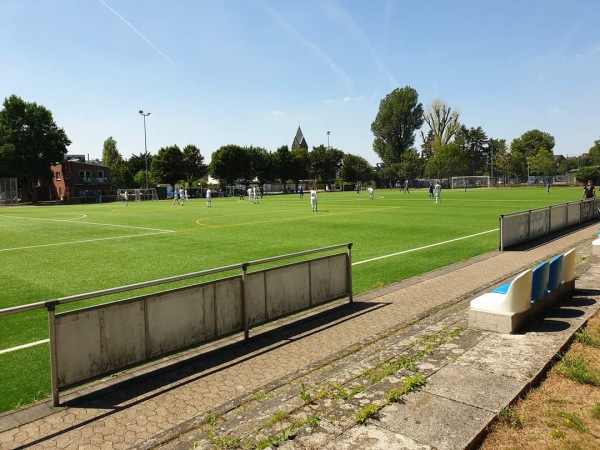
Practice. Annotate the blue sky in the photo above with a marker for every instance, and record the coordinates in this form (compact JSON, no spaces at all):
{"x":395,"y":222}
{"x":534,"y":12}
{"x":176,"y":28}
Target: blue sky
{"x":248,"y":72}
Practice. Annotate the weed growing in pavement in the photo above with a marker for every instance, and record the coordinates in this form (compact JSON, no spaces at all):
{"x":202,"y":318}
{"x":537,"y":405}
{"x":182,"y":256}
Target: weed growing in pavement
{"x":394,"y":396}
{"x":276,"y":418}
{"x":306,"y":397}
{"x":413,"y":382}
{"x":311,"y":421}
{"x":227,"y":443}
{"x":367,"y":412}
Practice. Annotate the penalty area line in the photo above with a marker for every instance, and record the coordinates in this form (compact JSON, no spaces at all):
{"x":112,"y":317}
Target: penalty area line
{"x":21,"y":347}
{"x":424,"y":247}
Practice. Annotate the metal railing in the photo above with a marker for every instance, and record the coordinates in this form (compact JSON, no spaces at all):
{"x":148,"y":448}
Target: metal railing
{"x":50,"y":305}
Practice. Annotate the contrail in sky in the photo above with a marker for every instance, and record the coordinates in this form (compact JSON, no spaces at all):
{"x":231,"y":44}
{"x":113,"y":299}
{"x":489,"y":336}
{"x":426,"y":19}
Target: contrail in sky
{"x":314,"y":47}
{"x":138,"y":33}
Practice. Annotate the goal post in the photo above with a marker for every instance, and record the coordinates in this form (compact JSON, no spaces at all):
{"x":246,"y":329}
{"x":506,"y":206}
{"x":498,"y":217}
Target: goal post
{"x":137,"y":195}
{"x":469,"y":182}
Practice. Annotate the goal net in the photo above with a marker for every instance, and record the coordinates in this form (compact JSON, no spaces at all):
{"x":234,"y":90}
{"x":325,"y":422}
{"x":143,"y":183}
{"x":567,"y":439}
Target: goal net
{"x":466,"y":182}
{"x":9,"y":192}
{"x":137,"y":195}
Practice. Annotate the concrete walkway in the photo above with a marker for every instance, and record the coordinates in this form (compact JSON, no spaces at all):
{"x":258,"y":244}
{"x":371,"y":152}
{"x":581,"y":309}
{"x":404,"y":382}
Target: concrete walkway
{"x":310,"y":378}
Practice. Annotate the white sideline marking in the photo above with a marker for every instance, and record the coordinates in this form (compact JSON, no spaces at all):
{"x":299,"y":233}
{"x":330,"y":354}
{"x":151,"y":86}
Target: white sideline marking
{"x":85,"y":241}
{"x":423,"y":248}
{"x":21,"y":347}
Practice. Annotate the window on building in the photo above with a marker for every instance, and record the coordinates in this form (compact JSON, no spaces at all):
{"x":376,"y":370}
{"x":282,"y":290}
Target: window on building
{"x":57,"y":176}
{"x":101,"y":174}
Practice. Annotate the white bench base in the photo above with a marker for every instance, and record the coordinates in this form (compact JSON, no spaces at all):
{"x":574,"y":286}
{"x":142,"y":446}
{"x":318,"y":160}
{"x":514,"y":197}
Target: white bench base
{"x":509,"y":323}
{"x":496,"y":321}
{"x":596,"y":247}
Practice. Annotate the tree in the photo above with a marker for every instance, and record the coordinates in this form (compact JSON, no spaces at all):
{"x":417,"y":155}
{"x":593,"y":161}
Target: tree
{"x":400,"y":116}
{"x":587,"y":173}
{"x":411,"y":166}
{"x":30,"y":141}
{"x":473,"y":142}
{"x":498,"y":154}
{"x":262,"y":165}
{"x":325,"y":162}
{"x":193,"y":164}
{"x":443,"y":124}
{"x":119,"y":170}
{"x":300,"y":163}
{"x":283,"y":164}
{"x":569,"y":163}
{"x":447,"y":162}
{"x":531,"y":142}
{"x":229,"y":164}
{"x":355,"y":168}
{"x":167,"y":165}
{"x":542,"y":163}
{"x":594,"y":154}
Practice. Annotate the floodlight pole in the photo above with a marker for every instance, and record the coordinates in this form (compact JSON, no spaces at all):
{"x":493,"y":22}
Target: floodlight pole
{"x":328,"y":133}
{"x":145,"y":146}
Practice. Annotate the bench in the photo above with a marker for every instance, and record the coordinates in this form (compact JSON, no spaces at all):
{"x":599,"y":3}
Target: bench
{"x":506,"y":310}
{"x":508,"y":306}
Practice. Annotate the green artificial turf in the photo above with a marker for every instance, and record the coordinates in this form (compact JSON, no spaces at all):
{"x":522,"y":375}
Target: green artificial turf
{"x":51,"y":252}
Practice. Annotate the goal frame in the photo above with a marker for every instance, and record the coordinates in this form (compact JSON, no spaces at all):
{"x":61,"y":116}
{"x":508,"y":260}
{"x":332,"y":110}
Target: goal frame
{"x":137,"y":195}
{"x":473,"y":181}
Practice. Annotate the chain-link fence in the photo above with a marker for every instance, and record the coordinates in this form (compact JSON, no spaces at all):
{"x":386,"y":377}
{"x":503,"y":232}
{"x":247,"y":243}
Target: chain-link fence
{"x":9,"y":192}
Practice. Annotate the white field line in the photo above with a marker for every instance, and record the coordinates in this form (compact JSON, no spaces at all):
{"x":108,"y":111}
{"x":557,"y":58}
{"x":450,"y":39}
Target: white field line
{"x":85,"y":241}
{"x":354,"y":264}
{"x":94,"y":223}
{"x":21,"y":347}
{"x":423,"y":248}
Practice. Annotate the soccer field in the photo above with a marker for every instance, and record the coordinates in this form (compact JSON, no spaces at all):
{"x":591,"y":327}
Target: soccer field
{"x":57,"y":251}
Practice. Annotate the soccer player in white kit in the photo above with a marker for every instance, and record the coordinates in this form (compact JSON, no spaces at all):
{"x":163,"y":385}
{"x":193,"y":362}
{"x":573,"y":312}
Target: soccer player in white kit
{"x":438,"y":192}
{"x":313,"y":200}
{"x":371,"y":192}
{"x":208,"y":198}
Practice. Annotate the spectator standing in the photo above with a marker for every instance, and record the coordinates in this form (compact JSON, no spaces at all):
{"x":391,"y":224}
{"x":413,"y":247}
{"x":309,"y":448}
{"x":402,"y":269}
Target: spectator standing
{"x":589,"y":191}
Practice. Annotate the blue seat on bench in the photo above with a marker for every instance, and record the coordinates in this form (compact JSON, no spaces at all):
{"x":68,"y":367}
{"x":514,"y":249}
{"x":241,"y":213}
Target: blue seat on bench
{"x":555,"y":276}
{"x":539,"y":281}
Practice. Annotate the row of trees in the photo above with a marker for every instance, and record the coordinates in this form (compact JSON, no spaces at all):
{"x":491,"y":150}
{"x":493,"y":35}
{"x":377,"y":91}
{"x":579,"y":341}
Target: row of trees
{"x":169,"y":165}
{"x":450,"y":148}
{"x":30,"y":141}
